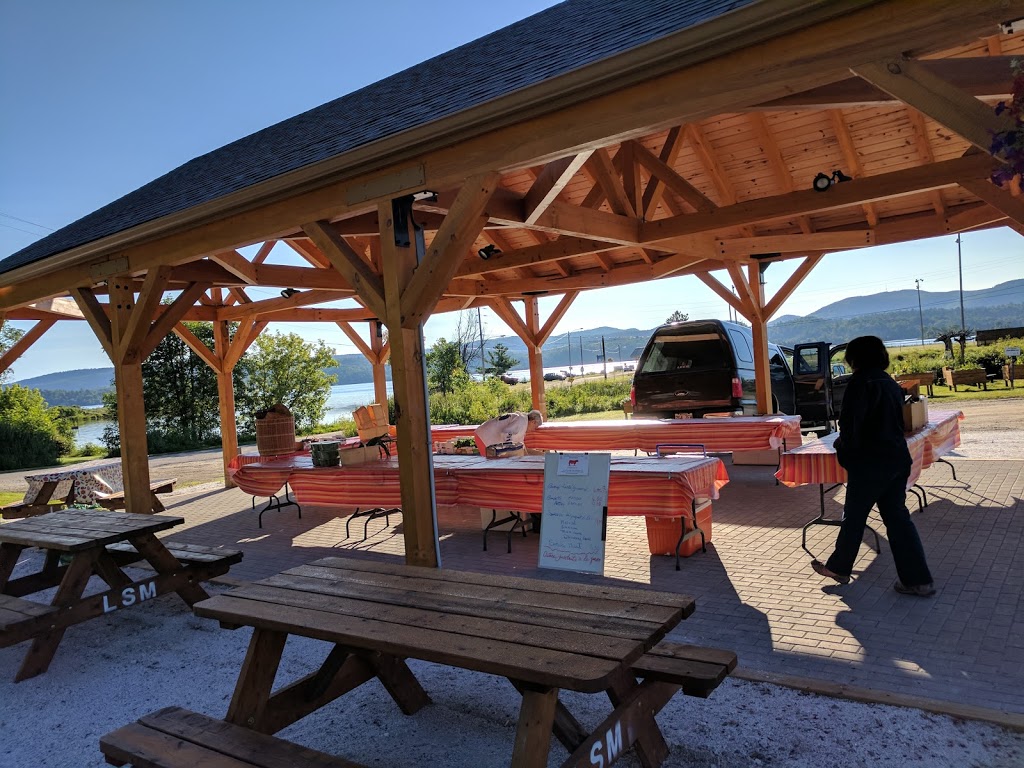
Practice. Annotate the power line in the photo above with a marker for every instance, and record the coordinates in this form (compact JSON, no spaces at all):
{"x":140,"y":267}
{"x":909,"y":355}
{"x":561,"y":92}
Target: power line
{"x":26,"y":221}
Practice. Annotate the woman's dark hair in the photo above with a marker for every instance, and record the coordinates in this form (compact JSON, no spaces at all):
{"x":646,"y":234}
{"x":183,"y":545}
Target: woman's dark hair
{"x":867,"y":352}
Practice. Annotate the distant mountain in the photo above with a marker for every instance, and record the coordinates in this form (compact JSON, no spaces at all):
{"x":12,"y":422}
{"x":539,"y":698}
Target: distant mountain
{"x":81,"y":378}
{"x":893,"y":301}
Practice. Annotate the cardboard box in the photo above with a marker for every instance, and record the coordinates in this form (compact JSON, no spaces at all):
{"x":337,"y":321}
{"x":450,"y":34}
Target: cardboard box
{"x":663,"y":532}
{"x":360,"y":455}
{"x":915,"y":415}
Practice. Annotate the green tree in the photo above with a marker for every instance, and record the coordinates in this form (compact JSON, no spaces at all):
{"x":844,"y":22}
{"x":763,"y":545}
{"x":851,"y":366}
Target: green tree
{"x":500,"y":362}
{"x":27,"y":430}
{"x":446,"y":371}
{"x":677,"y":317}
{"x":9,"y":336}
{"x":282,"y":368}
{"x":180,"y":393}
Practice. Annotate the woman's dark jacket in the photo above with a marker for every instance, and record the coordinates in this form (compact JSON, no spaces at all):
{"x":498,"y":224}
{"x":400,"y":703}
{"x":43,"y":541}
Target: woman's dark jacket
{"x":871,"y":423}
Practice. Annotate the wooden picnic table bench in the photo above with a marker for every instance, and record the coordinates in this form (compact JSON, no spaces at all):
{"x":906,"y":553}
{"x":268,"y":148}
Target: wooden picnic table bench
{"x":177,"y":738}
{"x":115,"y":500}
{"x":95,"y":543}
{"x":542,"y":635}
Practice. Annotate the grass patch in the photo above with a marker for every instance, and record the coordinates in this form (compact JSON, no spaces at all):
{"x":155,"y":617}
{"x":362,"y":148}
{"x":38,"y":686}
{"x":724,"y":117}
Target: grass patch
{"x":9,"y":497}
{"x":943,"y":395}
{"x":599,"y":416}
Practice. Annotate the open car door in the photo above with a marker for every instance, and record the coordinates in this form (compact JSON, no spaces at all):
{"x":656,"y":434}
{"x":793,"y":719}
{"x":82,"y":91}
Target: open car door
{"x":812,"y":380}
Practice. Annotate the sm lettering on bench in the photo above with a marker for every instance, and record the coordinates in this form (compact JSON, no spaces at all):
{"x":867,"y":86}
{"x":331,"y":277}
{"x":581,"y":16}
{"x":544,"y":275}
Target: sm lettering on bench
{"x":131,"y":595}
{"x":605,"y":752}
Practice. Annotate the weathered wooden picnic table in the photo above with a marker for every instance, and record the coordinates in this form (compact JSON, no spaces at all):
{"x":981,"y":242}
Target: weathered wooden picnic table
{"x":543,"y":636}
{"x":94,"y":543}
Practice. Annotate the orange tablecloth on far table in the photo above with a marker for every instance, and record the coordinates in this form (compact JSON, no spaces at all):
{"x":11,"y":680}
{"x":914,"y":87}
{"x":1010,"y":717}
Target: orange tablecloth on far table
{"x":663,"y":487}
{"x":734,"y":433}
{"x":816,"y":462}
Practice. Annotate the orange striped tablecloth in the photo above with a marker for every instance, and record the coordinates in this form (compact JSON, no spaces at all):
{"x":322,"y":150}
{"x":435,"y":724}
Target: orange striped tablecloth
{"x":638,"y":486}
{"x":735,"y":433}
{"x":816,"y":463}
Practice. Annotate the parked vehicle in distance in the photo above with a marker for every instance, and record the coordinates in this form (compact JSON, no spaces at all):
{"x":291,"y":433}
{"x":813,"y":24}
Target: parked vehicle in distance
{"x":628,"y":367}
{"x":552,"y":376}
{"x":701,"y":367}
{"x":508,"y":379}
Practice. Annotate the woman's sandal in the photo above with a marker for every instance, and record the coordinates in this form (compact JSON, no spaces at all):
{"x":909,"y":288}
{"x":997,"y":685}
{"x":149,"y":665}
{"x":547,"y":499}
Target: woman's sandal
{"x":821,"y":570}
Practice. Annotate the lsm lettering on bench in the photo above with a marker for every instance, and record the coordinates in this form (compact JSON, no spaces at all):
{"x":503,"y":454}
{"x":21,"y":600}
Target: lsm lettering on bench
{"x":131,"y":595}
{"x":611,"y":746}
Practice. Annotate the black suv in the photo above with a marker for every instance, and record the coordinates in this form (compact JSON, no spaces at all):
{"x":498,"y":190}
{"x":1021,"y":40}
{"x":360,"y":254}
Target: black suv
{"x":705,"y":367}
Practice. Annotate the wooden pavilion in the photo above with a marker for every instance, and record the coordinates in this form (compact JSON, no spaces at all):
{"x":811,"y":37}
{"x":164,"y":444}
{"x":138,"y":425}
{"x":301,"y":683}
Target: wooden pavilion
{"x":594,"y":144}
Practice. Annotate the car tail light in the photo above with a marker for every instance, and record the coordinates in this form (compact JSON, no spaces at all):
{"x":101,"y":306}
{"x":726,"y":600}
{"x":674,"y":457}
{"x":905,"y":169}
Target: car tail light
{"x":632,"y":396}
{"x":737,"y":387}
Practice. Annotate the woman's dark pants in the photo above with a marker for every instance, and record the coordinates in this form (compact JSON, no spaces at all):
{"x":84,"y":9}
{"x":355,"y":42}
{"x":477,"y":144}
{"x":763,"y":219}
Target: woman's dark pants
{"x":887,"y":489}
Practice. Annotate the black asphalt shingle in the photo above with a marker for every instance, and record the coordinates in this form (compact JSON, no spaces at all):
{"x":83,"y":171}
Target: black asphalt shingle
{"x":556,"y":41}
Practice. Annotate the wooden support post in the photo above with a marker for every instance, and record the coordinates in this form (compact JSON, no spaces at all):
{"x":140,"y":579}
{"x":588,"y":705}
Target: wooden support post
{"x":226,"y":400}
{"x":759,"y":329}
{"x":408,"y":371}
{"x":536,"y":356}
{"x":380,"y":381}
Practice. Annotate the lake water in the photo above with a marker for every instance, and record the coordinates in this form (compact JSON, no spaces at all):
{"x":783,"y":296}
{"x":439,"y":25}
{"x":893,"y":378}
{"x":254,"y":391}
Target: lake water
{"x":344,"y":399}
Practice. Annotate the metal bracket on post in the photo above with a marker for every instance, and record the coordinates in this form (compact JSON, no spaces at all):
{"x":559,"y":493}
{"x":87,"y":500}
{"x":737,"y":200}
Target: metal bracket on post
{"x":401,"y":209}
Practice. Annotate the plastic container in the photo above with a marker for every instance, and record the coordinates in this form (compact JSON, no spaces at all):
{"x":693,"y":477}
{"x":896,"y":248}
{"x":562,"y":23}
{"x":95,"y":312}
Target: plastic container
{"x":663,"y":532}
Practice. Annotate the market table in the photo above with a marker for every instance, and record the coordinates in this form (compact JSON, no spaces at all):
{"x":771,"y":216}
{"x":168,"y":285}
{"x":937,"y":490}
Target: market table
{"x":716,"y":435}
{"x":96,"y":543}
{"x":543,"y":636}
{"x":816,"y":462}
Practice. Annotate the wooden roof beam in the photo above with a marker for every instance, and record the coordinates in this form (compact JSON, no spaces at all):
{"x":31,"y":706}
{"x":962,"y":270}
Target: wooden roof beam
{"x":561,"y":248}
{"x":817,"y":241}
{"x":555,"y":317}
{"x":668,"y":177}
{"x":166,"y":320}
{"x":133,"y":336}
{"x":18,"y":348}
{"x":791,"y":284}
{"x":196,"y":345}
{"x":856,"y":192}
{"x":655,"y":191}
{"x":448,"y":249}
{"x":924,"y":150}
{"x":607,"y":178}
{"x":351,"y":265}
{"x":914,"y":84}
{"x":236,"y":264}
{"x":268,"y":306}
{"x":998,"y":198}
{"x":851,"y":158}
{"x":727,"y":296}
{"x":777,"y":162}
{"x":549,"y":185}
{"x":97,"y":318}
{"x":982,"y":76}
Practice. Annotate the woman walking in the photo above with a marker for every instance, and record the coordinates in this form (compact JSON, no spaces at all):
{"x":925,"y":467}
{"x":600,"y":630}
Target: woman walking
{"x":871,"y":447}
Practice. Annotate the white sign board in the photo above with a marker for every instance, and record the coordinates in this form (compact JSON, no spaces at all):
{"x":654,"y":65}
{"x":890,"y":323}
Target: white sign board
{"x":575,"y":511}
{"x":1012,"y":351}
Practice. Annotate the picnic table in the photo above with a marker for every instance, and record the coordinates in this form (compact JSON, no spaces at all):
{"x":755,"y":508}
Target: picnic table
{"x":94,"y":543}
{"x":101,"y":484}
{"x":543,"y":636}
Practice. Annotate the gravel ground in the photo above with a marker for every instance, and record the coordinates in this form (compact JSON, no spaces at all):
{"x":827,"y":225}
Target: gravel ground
{"x":137,"y":661}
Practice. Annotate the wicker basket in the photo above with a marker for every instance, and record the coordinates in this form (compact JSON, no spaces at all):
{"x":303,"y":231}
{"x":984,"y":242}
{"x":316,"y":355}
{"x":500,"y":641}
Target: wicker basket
{"x":275,"y":432}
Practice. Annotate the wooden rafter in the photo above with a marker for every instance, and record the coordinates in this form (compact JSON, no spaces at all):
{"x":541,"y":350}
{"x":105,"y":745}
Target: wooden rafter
{"x":29,"y":338}
{"x":248,"y":330}
{"x":915,"y":84}
{"x":865,"y":189}
{"x":503,"y":308}
{"x":998,"y":198}
{"x":752,"y":310}
{"x":607,"y":179}
{"x":357,"y":340}
{"x":196,"y":345}
{"x":236,"y":264}
{"x":667,"y":176}
{"x":655,"y":191}
{"x":264,"y":252}
{"x":170,"y":317}
{"x":350,"y":264}
{"x":851,"y":158}
{"x":151,"y":294}
{"x":562,"y":248}
{"x":96,"y":317}
{"x":279,"y":303}
{"x":924,"y":150}
{"x":309,"y":252}
{"x":791,"y":284}
{"x":825,"y":241}
{"x":776,"y":161}
{"x":448,"y":249}
{"x":709,"y":161}
{"x":550,"y":183}
{"x":556,"y":317}
{"x":726,"y":295}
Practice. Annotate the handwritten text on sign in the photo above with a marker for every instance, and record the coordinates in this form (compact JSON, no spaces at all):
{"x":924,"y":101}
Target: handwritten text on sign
{"x":573,"y":516}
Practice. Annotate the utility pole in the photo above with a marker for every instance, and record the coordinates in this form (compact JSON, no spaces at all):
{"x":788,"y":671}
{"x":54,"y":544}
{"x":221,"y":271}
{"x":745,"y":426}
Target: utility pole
{"x":604,"y":358}
{"x":480,"y":325}
{"x":568,"y":346}
{"x":920,"y":312}
{"x":581,"y":350}
{"x":963,"y":322}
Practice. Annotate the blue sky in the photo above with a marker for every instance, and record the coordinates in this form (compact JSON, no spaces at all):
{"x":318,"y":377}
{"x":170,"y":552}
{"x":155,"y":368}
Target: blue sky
{"x":102,"y":97}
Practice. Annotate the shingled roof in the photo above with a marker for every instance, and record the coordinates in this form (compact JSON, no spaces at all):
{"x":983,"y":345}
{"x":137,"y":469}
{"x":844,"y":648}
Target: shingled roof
{"x":521,"y":55}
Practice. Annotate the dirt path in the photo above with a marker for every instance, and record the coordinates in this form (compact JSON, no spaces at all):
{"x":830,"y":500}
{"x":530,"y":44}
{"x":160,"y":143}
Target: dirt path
{"x":991,"y":429}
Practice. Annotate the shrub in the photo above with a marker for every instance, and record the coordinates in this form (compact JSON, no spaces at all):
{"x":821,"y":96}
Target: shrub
{"x":28,"y":432}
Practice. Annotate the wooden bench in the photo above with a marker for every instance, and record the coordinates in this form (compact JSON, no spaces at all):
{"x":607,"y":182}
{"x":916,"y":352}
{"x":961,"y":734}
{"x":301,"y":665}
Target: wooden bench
{"x":116,"y":500}
{"x":42,"y":503}
{"x":967,"y":376}
{"x":925,"y":380}
{"x":190,"y":555}
{"x":19,"y":618}
{"x":697,"y":670}
{"x":177,"y":738}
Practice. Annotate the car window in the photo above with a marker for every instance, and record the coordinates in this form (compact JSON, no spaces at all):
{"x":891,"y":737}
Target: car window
{"x":742,"y":346}
{"x":681,"y":352}
{"x":838,"y":362}
{"x":777,"y":364}
{"x":807,"y":361}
